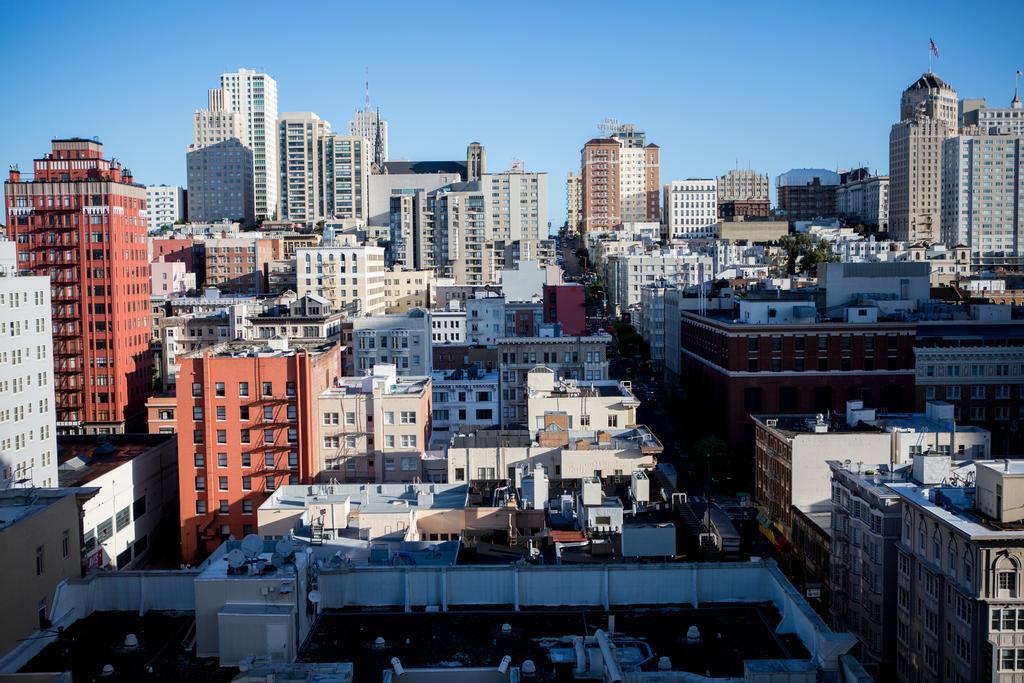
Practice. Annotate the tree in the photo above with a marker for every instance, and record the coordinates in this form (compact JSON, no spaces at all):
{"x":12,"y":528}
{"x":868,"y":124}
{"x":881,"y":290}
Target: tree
{"x":820,"y":253}
{"x":796,"y":246}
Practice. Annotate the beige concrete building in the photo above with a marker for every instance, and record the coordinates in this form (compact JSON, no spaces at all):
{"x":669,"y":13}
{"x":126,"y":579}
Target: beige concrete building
{"x":602,"y":405}
{"x":301,"y":142}
{"x":216,"y":123}
{"x":374,"y":428}
{"x":573,"y":202}
{"x":742,"y":184}
{"x":405,"y":289}
{"x":751,"y":231}
{"x":958,"y":597}
{"x":40,"y":533}
{"x":564,"y":454}
{"x":350,"y":277}
{"x":928,"y":115}
{"x":516,"y":203}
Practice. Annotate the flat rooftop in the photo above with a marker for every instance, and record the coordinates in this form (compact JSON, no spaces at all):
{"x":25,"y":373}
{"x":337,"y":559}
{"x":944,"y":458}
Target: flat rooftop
{"x":17,"y":504}
{"x":598,"y":389}
{"x":793,"y":425}
{"x":259,"y":349}
{"x":371,"y":497}
{"x":354,"y":386}
{"x":954,"y":506}
{"x":83,"y":458}
{"x":731,"y":633}
{"x":90,"y":643}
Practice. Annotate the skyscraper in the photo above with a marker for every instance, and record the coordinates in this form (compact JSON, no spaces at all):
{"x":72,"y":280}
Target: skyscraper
{"x":220,"y":182}
{"x":573,"y":202}
{"x":983,"y":188}
{"x":301,"y":140}
{"x":82,"y":221}
{"x":620,"y":178}
{"x":369,"y":124}
{"x":253,"y":96}
{"x":928,"y":115}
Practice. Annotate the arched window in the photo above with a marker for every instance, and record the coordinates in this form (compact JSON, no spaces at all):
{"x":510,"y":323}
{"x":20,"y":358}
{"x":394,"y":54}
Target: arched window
{"x":936,"y":546}
{"x":952,"y":554}
{"x":921,"y":546}
{"x":1006,"y":576}
{"x":968,"y":566}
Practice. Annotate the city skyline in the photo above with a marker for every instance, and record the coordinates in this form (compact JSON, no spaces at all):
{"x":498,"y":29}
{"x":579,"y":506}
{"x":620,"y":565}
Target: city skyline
{"x":540,"y":106}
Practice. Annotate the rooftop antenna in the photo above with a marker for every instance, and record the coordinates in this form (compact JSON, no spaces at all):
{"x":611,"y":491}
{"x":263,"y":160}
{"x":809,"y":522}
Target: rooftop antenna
{"x":367,"y":84}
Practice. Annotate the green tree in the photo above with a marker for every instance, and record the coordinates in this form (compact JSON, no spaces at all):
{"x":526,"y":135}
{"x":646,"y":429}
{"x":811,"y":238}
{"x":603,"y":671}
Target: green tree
{"x":795,"y":245}
{"x":819,"y":253}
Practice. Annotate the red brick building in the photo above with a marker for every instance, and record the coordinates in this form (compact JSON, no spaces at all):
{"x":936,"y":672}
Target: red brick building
{"x":566,"y":304}
{"x":82,"y":222}
{"x":600,"y":182}
{"x":187,"y":250}
{"x":246,"y":423}
{"x":730,"y":370}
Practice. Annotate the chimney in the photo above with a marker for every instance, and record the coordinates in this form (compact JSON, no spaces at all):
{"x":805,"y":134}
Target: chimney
{"x":15,"y":175}
{"x":127,"y":176}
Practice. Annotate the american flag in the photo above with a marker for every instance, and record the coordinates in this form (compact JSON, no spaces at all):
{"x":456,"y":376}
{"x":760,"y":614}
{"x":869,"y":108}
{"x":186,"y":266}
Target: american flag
{"x":1020,"y":73}
{"x":933,"y":47}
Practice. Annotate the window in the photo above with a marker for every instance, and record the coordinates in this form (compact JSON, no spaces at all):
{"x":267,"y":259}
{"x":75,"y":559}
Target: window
{"x":199,"y":460}
{"x":200,"y":483}
{"x":222,"y":436}
{"x":247,"y":507}
{"x":247,"y":483}
{"x":408,"y":417}
{"x":139,"y":507}
{"x":1006,"y":581}
{"x":105,"y":530}
{"x":331,"y":418}
{"x":243,"y":388}
{"x":613,"y":420}
{"x":408,"y":441}
{"x":123,"y":517}
{"x":389,"y":418}
{"x":389,"y":441}
{"x":65,"y":544}
{"x":219,"y":389}
{"x":268,"y":388}
{"x":289,"y":389}
{"x":197,"y":412}
{"x":222,"y":483}
{"x":197,"y":389}
{"x":268,"y":413}
{"x":225,"y":508}
{"x":200,"y":507}
{"x":350,"y":419}
{"x":222,"y":413}
{"x":268,"y":436}
{"x":40,"y":568}
{"x":243,"y":436}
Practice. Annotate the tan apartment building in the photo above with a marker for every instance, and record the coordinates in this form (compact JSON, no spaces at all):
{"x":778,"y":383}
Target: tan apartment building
{"x":928,"y":116}
{"x":405,"y":289}
{"x":350,"y":277}
{"x":606,"y":404}
{"x":41,"y":534}
{"x":374,"y":428}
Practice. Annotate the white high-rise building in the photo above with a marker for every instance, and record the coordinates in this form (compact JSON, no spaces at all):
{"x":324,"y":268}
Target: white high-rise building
{"x":346,"y":161}
{"x":516,"y":204}
{"x":983,"y":196}
{"x":301,"y":136}
{"x":165,"y":205}
{"x":28,"y":431}
{"x":928,"y":115}
{"x":691,"y":208}
{"x":254,"y":96}
{"x":215,"y":124}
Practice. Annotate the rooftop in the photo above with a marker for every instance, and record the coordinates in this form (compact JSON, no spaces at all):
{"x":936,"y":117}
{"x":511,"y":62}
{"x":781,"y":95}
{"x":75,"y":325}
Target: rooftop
{"x":370,"y":498}
{"x":732,"y":633}
{"x":21,"y":503}
{"x":794,"y":425}
{"x":358,"y":386}
{"x":85,"y":457}
{"x":266,"y":348}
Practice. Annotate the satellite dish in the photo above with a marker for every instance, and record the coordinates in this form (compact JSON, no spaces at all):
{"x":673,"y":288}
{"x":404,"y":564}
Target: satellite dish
{"x":314,"y":597}
{"x":277,"y":560}
{"x":235,"y":558}
{"x":283,"y":547}
{"x":252,"y":545}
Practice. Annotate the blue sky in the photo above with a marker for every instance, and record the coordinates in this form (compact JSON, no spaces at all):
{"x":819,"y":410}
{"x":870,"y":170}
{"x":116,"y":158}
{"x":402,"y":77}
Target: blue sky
{"x":774,"y":85}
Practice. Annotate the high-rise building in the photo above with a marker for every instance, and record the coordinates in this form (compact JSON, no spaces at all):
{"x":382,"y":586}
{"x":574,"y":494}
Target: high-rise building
{"x":691,"y":208}
{"x":974,"y":113}
{"x":345,"y":173}
{"x":165,"y":205}
{"x":247,"y":425}
{"x":516,"y":205}
{"x":983,"y":190}
{"x":28,"y":433}
{"x":372,"y":127}
{"x":216,"y":123}
{"x":324,"y":176}
{"x":807,"y":193}
{"x":573,"y":202}
{"x":928,"y":115}
{"x":254,"y":96}
{"x":742,"y":184}
{"x":82,"y":221}
{"x":620,"y":180}
{"x":476,"y":161}
{"x":221,"y":183}
{"x":300,"y":145}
